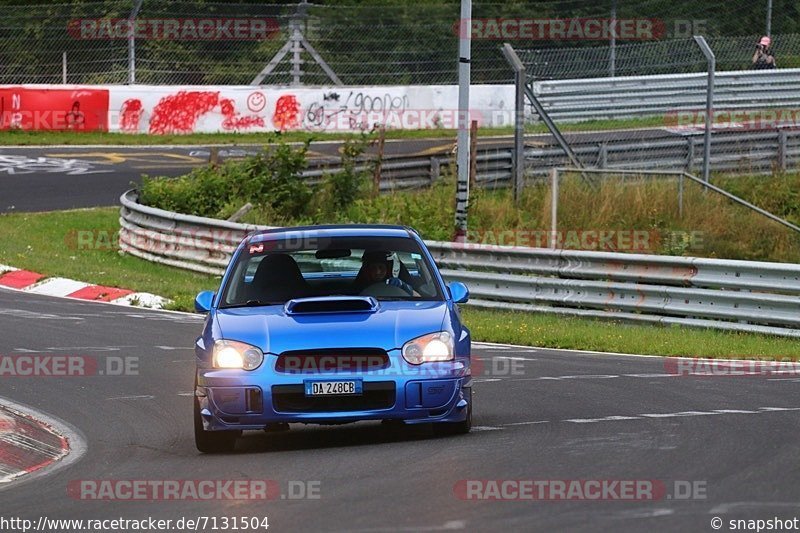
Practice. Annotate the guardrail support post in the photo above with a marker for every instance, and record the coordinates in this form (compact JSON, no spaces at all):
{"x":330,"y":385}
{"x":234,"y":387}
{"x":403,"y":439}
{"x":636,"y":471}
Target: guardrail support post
{"x":782,"y":138}
{"x":553,"y":208}
{"x":689,"y":154}
{"x":376,"y":174}
{"x":602,"y":155}
{"x":435,"y":169}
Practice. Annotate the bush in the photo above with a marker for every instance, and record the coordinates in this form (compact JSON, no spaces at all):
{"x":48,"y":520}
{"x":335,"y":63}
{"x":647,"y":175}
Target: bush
{"x":268,"y":180}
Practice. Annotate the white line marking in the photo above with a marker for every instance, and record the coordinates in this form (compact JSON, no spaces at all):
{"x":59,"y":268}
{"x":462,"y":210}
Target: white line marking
{"x":681,"y":414}
{"x":724,"y":508}
{"x":580,"y":376}
{"x":650,"y":375}
{"x":514,"y":358}
{"x":143,"y":397}
{"x":526,"y":423}
{"x":486,"y":428}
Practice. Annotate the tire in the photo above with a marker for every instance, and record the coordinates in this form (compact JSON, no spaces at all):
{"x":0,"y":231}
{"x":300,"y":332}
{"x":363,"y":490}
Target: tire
{"x":457,"y":428}
{"x":212,"y":441}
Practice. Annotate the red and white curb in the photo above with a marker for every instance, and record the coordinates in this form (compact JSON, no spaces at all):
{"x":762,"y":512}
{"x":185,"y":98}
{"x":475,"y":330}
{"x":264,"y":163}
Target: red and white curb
{"x":27,"y":281}
{"x":27,"y":444}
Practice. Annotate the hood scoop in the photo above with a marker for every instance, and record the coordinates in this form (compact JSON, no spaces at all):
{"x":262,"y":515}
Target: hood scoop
{"x":331,"y":304}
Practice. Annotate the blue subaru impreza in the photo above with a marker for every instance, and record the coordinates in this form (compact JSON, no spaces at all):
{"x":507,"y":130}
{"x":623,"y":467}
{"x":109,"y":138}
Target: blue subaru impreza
{"x":329,"y":325}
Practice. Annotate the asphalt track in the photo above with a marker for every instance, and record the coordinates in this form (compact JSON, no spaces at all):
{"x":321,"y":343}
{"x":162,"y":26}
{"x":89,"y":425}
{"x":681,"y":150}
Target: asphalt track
{"x":559,"y":416}
{"x":65,"y":177}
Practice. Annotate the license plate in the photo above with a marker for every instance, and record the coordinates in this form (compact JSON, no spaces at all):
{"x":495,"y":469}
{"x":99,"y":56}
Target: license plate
{"x":333,"y":388}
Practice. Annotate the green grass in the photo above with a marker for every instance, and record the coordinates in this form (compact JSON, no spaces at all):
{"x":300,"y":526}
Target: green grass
{"x":31,"y":138}
{"x":48,"y":243}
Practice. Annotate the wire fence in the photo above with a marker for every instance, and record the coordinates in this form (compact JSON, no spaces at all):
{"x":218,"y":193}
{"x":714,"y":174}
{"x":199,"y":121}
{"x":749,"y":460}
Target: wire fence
{"x":379,"y":42}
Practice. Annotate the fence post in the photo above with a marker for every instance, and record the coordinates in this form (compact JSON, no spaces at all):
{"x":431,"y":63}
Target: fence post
{"x":553,"y":207}
{"x":768,"y":33}
{"x":462,"y":157}
{"x":612,"y":58}
{"x":137,"y":5}
{"x":518,"y":155}
{"x":712,"y":66}
{"x":64,"y":68}
{"x":680,"y":196}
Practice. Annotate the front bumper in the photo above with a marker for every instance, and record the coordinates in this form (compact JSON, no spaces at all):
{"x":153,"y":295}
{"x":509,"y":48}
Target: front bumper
{"x":241,"y":400}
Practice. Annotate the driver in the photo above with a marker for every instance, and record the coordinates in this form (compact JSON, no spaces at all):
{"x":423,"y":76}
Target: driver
{"x":377,"y":268}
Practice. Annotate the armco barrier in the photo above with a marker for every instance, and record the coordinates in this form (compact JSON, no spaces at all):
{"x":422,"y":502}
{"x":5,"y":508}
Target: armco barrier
{"x":638,"y":96}
{"x":745,"y":152}
{"x":713,"y":293}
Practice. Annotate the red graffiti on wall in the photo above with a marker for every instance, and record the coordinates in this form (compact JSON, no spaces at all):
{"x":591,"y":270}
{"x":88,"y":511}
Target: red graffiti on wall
{"x":287,"y":112}
{"x":130,"y":114}
{"x":232,"y":119}
{"x":179,"y":113}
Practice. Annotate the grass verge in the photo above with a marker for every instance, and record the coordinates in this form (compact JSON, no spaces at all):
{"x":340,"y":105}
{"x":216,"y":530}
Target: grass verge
{"x":48,"y":243}
{"x":32,"y":138}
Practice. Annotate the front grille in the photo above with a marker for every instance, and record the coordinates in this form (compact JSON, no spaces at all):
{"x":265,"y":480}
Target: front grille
{"x":292,"y":399}
{"x":327,"y":360}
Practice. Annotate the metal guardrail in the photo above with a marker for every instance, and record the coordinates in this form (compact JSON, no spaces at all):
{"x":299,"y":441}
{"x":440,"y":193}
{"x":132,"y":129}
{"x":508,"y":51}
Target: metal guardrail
{"x":713,"y":293}
{"x":745,"y":152}
{"x":637,"y":96}
{"x":414,"y":172}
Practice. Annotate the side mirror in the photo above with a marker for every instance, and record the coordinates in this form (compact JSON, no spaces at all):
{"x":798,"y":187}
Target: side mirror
{"x":203,"y":301}
{"x":459,"y":292}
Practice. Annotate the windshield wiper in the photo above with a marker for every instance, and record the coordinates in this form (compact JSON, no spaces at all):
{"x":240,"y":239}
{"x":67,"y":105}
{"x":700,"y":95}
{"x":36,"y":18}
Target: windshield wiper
{"x":252,"y":303}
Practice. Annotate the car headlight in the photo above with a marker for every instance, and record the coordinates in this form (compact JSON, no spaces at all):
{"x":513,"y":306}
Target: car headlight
{"x":430,"y":348}
{"x":235,"y":354}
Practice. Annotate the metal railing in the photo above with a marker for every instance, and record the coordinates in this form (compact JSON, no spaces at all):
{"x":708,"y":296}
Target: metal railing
{"x":638,"y":96}
{"x":738,"y":152}
{"x":415,"y":172}
{"x":744,"y":296}
{"x":742,"y":152}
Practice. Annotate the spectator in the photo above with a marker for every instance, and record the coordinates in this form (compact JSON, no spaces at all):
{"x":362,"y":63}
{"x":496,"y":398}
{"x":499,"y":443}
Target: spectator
{"x":763,"y":58}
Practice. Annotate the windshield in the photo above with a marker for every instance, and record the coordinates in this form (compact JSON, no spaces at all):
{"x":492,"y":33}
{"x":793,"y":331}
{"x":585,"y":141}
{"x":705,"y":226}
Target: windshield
{"x":273,"y":272}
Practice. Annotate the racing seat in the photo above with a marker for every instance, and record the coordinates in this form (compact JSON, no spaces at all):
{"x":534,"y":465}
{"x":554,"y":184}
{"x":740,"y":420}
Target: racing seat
{"x":278,"y":278}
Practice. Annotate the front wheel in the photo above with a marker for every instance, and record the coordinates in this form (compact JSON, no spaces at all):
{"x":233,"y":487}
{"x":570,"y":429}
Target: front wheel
{"x":212,"y":441}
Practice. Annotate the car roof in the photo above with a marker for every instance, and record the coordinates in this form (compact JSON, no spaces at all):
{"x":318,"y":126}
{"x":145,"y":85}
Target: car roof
{"x":333,"y":230}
